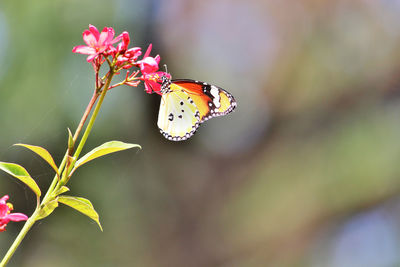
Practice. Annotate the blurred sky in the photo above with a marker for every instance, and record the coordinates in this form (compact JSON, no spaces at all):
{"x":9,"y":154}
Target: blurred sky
{"x":305,"y":172}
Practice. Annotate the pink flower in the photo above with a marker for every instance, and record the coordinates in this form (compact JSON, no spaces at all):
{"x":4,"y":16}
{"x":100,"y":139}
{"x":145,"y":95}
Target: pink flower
{"x":6,"y":216}
{"x":97,"y":43}
{"x":152,"y":81}
{"x":133,"y":53}
{"x":149,"y":64}
{"x":130,"y":56}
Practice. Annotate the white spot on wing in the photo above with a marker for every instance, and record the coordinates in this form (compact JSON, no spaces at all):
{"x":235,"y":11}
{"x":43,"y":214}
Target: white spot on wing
{"x":216,"y":98}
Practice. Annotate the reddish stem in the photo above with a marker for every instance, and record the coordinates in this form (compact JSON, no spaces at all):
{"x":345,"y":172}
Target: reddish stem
{"x":85,"y":115}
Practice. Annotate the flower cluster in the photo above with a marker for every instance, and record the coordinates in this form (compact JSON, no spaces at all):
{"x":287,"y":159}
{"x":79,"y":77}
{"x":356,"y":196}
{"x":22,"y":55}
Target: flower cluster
{"x":6,"y":216}
{"x":100,"y":48}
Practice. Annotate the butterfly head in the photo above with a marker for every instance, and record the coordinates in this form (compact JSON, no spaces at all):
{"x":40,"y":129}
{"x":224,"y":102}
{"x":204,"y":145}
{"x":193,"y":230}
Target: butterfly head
{"x":165,"y":84}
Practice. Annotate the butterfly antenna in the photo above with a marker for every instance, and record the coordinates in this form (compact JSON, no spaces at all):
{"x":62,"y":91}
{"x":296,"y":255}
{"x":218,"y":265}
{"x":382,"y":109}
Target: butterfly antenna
{"x":166,"y":69}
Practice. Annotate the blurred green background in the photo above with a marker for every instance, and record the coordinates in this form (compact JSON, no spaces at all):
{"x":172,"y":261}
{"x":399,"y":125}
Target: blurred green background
{"x":305,"y":172}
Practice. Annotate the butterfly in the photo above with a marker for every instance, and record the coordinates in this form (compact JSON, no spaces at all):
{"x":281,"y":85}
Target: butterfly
{"x":185,"y":104}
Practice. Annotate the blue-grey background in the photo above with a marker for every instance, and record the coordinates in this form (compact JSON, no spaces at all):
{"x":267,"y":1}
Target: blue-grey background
{"x":304,"y":173}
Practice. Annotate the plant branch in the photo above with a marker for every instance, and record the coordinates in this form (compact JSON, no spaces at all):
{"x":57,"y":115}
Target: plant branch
{"x":54,"y":186}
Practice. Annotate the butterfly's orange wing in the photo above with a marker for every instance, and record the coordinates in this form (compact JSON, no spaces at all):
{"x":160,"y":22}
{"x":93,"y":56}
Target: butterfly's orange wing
{"x":211,"y":101}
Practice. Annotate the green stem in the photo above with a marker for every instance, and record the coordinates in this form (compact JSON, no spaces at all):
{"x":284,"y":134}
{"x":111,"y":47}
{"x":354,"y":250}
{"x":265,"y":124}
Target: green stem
{"x":87,"y":130}
{"x":54,"y":185}
{"x":76,"y":134}
{"x":93,"y":118}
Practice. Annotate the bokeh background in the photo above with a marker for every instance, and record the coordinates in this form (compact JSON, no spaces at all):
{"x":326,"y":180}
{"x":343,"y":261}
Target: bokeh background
{"x":305,"y":172}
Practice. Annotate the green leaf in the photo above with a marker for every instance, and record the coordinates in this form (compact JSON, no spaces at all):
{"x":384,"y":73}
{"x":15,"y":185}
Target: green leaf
{"x":20,"y":173}
{"x":104,"y":149}
{"x":70,"y":140}
{"x":42,"y":153}
{"x":47,"y":209}
{"x":63,"y":189}
{"x":82,"y":205}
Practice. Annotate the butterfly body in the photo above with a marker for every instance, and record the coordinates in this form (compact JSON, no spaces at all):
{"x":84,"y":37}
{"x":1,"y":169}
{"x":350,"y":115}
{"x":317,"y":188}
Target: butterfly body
{"x":185,"y":104}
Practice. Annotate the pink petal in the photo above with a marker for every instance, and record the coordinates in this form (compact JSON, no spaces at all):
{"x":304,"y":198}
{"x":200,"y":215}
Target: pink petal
{"x":94,"y":31}
{"x":122,"y":59}
{"x":148,"y":51}
{"x":91,"y":57}
{"x":124,"y":37}
{"x":16,"y":217}
{"x":106,"y":36}
{"x":111,"y":34}
{"x":3,"y":210}
{"x":4,"y":199}
{"x":122,"y":46}
{"x":148,"y":65}
{"x":152,"y":82}
{"x":132,"y":54}
{"x":148,"y":88}
{"x":157,"y":58}
{"x":103,"y":36}
{"x":157,"y":88}
{"x":133,"y":51}
{"x":4,"y":220}
{"x":89,"y":38}
{"x":83,"y":49}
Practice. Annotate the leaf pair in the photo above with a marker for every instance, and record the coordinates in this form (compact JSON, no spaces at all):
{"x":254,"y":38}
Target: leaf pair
{"x":20,"y":172}
{"x":80,"y":204}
